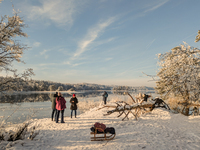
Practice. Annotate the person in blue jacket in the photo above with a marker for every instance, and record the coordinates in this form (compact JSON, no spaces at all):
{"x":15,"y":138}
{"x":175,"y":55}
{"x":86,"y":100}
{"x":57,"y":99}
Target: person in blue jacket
{"x":105,"y":95}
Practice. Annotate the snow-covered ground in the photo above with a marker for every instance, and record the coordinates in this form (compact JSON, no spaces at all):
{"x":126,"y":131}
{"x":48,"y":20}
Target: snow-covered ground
{"x":157,"y":130}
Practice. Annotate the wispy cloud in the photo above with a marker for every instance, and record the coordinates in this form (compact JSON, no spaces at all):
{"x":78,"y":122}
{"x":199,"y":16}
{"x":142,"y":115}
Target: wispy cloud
{"x":148,"y":45}
{"x":61,"y":12}
{"x":92,"y":35}
{"x":192,"y":35}
{"x":77,"y":64}
{"x":156,"y":6}
{"x":105,"y":41}
{"x":44,"y":53}
{"x":72,"y":64}
{"x":142,"y":8}
{"x":48,"y":64}
{"x":107,"y":59}
{"x":36,"y":44}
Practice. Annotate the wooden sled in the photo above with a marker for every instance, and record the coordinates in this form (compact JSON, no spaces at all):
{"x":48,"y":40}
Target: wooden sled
{"x":101,"y":136}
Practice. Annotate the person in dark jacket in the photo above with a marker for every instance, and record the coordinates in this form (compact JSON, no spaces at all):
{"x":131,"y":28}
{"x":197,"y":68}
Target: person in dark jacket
{"x":105,"y":95}
{"x":60,"y":106}
{"x":54,"y":106}
{"x":73,"y":102}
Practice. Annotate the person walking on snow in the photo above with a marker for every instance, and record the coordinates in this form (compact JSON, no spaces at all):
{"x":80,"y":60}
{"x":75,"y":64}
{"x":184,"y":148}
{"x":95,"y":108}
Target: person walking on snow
{"x":73,"y":102}
{"x":60,"y":106}
{"x":105,"y":95}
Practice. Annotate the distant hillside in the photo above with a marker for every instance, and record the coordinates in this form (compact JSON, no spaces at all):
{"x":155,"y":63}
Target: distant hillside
{"x":37,"y":85}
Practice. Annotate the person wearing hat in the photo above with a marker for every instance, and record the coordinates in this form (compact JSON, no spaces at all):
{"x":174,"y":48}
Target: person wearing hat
{"x":73,"y":106}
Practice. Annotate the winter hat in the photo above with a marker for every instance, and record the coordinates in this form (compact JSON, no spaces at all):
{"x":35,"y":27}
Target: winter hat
{"x":74,"y":94}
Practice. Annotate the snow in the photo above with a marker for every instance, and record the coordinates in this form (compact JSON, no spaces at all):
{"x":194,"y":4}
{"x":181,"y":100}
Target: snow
{"x":159,"y":129}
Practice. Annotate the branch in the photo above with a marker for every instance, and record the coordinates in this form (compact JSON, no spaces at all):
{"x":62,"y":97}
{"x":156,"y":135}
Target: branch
{"x":124,"y":108}
{"x":152,"y":76}
{"x":130,"y":96}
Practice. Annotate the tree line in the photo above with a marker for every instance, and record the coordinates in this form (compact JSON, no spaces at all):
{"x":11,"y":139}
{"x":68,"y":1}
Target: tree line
{"x":37,"y":85}
{"x":42,"y":97}
{"x":131,"y":88}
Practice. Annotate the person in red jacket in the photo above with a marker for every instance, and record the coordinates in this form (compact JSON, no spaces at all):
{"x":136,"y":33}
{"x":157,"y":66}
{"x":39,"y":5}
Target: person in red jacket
{"x":60,"y":106}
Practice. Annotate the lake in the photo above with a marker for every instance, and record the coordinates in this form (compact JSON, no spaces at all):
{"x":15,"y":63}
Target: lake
{"x":18,"y":108}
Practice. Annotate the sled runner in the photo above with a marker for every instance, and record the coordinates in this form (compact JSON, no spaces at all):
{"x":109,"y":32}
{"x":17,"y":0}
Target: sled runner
{"x":102,"y":136}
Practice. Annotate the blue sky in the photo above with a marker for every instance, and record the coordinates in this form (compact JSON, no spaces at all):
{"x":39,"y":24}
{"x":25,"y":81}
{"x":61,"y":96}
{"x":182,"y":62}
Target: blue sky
{"x":102,"y":41}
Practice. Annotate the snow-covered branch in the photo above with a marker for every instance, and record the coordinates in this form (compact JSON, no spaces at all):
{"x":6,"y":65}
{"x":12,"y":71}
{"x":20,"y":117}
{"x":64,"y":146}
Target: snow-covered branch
{"x":197,"y":37}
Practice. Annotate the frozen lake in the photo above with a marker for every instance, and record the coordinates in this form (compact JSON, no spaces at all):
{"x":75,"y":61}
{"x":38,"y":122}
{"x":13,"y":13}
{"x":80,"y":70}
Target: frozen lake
{"x":22,"y":107}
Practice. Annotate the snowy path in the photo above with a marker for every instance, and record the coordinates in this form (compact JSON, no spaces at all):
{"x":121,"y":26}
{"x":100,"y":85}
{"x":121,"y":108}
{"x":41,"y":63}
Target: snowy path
{"x":156,"y":130}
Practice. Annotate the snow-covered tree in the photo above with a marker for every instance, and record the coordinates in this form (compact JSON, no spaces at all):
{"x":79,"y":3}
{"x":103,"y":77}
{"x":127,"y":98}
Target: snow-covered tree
{"x":11,"y":50}
{"x":52,"y":87}
{"x":60,"y":88}
{"x":179,"y":73}
{"x":197,"y":37}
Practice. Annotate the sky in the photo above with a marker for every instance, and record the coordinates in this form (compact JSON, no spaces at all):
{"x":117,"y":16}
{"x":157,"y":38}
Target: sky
{"x":108,"y":42}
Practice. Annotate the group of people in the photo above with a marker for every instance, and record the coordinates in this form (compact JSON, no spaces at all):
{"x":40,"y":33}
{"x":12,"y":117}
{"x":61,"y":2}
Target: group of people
{"x":59,"y":105}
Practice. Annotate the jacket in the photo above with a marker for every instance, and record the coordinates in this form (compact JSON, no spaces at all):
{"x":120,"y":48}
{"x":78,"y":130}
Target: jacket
{"x":73,"y":102}
{"x":105,"y":95}
{"x":53,"y":103}
{"x":60,"y":103}
{"x":53,"y":99}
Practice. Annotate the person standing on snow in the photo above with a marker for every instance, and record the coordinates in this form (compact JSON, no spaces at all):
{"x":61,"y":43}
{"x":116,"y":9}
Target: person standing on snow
{"x":54,"y":106}
{"x":105,"y":95}
{"x":73,"y":102}
{"x":60,"y":106}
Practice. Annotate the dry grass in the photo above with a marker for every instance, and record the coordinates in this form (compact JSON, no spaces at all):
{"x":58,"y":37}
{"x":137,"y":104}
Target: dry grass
{"x":174,"y":102}
{"x":20,"y":133}
{"x":89,"y":104}
{"x":126,"y":99}
{"x":33,"y":134}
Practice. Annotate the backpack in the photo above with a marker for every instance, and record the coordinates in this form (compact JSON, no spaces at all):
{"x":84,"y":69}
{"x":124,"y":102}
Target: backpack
{"x":101,"y":127}
{"x":106,"y":95}
{"x":110,"y":130}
